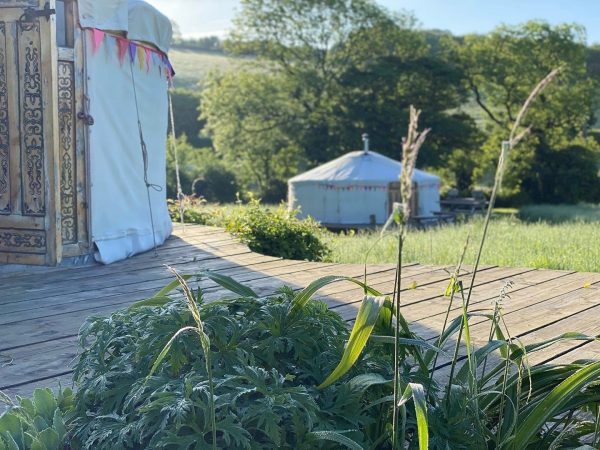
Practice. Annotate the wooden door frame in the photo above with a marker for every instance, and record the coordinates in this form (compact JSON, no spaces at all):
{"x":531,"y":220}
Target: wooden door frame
{"x":75,"y":216}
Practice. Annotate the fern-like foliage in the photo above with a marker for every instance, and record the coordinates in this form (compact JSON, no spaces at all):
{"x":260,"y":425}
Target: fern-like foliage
{"x":266,"y":364}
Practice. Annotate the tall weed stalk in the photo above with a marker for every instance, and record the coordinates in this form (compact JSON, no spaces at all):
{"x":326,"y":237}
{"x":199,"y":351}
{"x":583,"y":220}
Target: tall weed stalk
{"x":204,"y":342}
{"x":411,"y":145}
{"x":515,"y":137}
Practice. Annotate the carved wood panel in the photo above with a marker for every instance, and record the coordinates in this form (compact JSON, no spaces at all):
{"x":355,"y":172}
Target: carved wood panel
{"x":73,"y":140}
{"x":32,"y":124}
{"x":68,"y":158}
{"x":13,"y":3}
{"x":22,"y":241}
{"x":5,"y":204}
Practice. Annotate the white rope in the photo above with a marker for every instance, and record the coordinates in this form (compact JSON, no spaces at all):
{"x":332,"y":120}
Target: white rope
{"x":145,"y":159}
{"x":180,"y":194}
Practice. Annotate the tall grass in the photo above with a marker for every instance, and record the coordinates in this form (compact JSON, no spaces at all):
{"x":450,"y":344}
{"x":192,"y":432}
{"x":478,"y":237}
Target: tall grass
{"x":560,"y":213}
{"x":564,"y":246}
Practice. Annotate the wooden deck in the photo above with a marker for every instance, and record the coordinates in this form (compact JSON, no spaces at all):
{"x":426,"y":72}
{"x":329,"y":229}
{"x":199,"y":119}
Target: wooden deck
{"x":41,"y":311}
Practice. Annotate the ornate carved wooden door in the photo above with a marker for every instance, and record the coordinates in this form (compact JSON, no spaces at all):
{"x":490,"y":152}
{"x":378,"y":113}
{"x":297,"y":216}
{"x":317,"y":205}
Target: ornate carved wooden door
{"x":30,"y":225}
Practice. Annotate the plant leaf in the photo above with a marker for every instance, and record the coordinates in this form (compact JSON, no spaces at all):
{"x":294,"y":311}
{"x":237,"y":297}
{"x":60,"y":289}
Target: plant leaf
{"x":453,"y":287}
{"x":230,"y":284}
{"x":303,"y":297}
{"x":363,"y":327}
{"x":167,"y":348}
{"x":336,"y":437}
{"x":169,"y":287}
{"x":552,"y":404}
{"x":417,"y":393}
{"x":222,"y":280}
{"x":151,"y":302}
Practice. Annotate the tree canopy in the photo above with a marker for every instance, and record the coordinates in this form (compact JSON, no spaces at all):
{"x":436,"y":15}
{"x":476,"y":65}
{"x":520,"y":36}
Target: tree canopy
{"x":501,"y":68}
{"x":322,"y":73}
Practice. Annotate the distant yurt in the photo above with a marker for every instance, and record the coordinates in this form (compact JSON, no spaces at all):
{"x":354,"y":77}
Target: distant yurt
{"x":83,"y":124}
{"x":359,"y":189}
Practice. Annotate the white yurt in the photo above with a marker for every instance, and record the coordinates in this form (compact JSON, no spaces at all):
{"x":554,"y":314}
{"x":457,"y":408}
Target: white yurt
{"x":128,"y":188}
{"x":83,"y":125}
{"x":359,"y":189}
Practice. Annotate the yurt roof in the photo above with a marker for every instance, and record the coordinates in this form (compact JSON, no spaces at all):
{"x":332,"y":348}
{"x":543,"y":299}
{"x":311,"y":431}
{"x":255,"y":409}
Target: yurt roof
{"x":361,"y":166}
{"x":137,"y":18}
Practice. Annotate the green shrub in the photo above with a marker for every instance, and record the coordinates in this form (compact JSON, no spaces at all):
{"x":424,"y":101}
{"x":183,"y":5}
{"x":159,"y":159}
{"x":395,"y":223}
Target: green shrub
{"x":194,"y":212}
{"x":270,"y":231}
{"x":37,"y":423}
{"x":266,"y":364}
{"x":276,"y":232}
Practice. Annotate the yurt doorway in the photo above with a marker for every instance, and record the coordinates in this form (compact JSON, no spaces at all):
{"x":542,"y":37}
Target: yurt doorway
{"x":42,"y":171}
{"x":395,"y":197}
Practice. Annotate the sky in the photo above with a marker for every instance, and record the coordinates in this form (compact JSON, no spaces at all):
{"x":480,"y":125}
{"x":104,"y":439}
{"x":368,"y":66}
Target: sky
{"x":213,"y":17}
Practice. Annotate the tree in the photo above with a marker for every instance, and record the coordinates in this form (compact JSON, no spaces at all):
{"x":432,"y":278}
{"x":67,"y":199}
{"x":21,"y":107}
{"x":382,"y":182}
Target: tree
{"x":192,"y":161}
{"x":250,"y":118}
{"x":309,"y":44}
{"x":216,"y":183}
{"x":342,"y":67}
{"x":186,"y":109}
{"x":500,"y":70}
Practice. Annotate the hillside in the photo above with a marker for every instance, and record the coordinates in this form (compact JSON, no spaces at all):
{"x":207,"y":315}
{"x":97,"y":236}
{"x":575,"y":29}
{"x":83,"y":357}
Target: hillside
{"x":193,"y":66}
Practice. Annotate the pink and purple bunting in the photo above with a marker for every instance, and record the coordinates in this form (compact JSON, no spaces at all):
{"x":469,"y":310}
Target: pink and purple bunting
{"x":146,"y":56}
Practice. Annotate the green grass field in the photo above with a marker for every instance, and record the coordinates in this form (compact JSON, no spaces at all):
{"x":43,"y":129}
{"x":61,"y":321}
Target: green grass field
{"x":511,"y":243}
{"x":192,"y":66}
{"x":562,"y":237}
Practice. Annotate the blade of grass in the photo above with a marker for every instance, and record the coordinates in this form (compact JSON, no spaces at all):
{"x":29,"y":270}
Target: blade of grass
{"x":417,"y":393}
{"x":363,"y":327}
{"x":303,"y":297}
{"x":222,"y":280}
{"x":166,"y":349}
{"x":552,"y":404}
{"x":337,"y":438}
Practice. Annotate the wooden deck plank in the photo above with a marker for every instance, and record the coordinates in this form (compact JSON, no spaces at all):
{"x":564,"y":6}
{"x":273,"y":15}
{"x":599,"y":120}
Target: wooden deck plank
{"x":430,"y":292}
{"x":422,"y":274}
{"x":575,"y":309}
{"x":61,"y":324}
{"x":57,"y":353}
{"x":147,"y":284}
{"x":193,"y":252}
{"x":42,"y":313}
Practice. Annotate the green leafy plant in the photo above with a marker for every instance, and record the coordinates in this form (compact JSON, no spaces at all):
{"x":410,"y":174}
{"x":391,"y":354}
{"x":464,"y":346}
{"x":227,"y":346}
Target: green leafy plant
{"x":287,"y":373}
{"x":272,"y":231}
{"x":277,"y":232}
{"x":37,"y":423}
{"x":145,"y":378}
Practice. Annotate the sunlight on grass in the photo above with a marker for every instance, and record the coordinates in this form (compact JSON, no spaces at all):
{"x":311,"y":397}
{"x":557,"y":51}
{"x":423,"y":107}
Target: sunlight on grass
{"x":192,"y":66}
{"x":566,"y":246}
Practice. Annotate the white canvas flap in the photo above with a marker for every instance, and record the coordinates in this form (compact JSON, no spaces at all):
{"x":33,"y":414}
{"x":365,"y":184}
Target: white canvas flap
{"x":147,"y":24}
{"x":104,"y":15}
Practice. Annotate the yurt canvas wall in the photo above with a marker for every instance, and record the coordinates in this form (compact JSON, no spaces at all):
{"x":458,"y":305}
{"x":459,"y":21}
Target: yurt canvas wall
{"x":358,"y":189}
{"x":121,"y":88}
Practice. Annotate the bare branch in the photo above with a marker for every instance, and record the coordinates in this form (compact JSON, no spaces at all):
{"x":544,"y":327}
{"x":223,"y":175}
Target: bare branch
{"x":534,"y":94}
{"x":482,"y":105}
